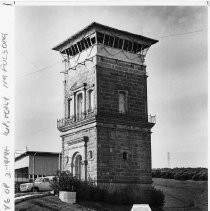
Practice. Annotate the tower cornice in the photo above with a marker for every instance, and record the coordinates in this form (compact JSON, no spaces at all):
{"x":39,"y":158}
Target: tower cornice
{"x":93,"y":27}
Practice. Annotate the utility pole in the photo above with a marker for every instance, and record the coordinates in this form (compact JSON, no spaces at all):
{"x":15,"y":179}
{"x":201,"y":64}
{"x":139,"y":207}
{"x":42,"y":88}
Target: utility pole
{"x":168,"y":157}
{"x":34,"y":168}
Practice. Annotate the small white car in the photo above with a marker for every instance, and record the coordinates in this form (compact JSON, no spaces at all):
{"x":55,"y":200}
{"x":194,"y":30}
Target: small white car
{"x":40,"y":184}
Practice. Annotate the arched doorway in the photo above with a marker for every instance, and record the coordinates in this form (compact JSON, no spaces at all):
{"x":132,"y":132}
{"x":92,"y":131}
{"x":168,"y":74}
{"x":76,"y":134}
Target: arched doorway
{"x":78,"y":166}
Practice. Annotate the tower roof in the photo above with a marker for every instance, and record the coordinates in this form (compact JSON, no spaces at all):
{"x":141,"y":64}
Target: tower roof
{"x":96,"y":27}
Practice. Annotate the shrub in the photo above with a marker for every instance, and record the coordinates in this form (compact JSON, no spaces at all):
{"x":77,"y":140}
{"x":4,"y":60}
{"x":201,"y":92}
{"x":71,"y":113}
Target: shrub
{"x":196,"y":176}
{"x":177,"y":176}
{"x":157,"y":198}
{"x":203,"y":176}
{"x":64,"y":181}
{"x":156,"y":173}
{"x":87,"y":190}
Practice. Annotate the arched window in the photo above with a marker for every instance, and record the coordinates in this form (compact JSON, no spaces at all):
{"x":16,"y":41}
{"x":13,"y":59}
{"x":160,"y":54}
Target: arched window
{"x":90,"y":100}
{"x":79,"y":105}
{"x":78,"y":167}
{"x":122,"y":102}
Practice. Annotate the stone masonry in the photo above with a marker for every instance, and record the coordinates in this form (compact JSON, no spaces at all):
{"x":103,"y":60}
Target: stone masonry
{"x":105,"y":131}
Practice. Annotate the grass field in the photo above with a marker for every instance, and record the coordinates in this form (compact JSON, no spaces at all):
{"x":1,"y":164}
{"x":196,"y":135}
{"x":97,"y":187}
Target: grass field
{"x":183,"y":195}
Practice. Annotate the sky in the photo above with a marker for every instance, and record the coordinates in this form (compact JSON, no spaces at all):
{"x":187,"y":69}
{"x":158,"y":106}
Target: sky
{"x":176,"y":65}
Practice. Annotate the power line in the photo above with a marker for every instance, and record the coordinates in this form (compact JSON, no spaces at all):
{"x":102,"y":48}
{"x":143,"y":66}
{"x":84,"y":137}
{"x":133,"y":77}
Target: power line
{"x":39,"y":70}
{"x":168,"y":158}
{"x":174,"y":35}
{"x":28,"y":60}
{"x":54,"y":64}
{"x":36,"y":67}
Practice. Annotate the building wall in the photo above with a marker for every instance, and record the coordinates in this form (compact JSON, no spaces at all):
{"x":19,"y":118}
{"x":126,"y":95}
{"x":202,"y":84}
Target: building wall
{"x":44,"y":165}
{"x":77,"y":136}
{"x":118,"y":134}
{"x":112,"y":143}
{"x":22,"y":163}
{"x":114,"y":76}
{"x":114,"y":133}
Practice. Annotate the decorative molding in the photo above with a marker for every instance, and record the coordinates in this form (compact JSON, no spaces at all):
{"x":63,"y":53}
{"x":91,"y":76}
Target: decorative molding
{"x":78,"y":140}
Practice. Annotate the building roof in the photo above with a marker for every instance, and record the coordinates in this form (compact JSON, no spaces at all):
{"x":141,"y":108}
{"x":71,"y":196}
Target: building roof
{"x":98,"y":26}
{"x":36,"y":153}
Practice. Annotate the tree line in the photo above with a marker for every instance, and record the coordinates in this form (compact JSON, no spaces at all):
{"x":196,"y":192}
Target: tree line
{"x":197,"y":174}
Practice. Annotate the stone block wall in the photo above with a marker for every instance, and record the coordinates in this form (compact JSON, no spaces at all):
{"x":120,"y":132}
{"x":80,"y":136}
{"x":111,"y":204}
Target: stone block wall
{"x":70,"y":150}
{"x":112,"y":143}
{"x":114,"y":136}
{"x":114,"y":76}
{"x":117,"y":135}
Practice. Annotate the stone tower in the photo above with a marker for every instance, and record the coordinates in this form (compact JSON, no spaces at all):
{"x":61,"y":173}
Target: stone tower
{"x":106,"y":130}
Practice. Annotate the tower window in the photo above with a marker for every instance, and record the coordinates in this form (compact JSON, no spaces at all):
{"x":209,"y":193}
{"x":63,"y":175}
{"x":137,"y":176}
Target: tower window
{"x":79,"y":46}
{"x":73,"y":50}
{"x":129,"y":45}
{"x":82,"y":45}
{"x":69,"y":107}
{"x":88,"y":41}
{"x":93,"y":40}
{"x":69,"y":51}
{"x":125,"y":156}
{"x":90,"y":100}
{"x":106,"y":40}
{"x":120,"y":43}
{"x":79,"y":105}
{"x":134,"y":47}
{"x":111,"y":41}
{"x":76,"y":49}
{"x":116,"y":41}
{"x":125,"y":47}
{"x":122,"y":102}
{"x":100,"y":37}
{"x":139,"y":48}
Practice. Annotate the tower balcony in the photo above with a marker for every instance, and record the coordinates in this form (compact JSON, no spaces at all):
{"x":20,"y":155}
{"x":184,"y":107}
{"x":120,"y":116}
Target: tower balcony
{"x":74,"y":120}
{"x":112,"y":116}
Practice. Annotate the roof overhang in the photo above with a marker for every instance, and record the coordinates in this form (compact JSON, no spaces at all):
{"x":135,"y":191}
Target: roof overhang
{"x":36,"y":153}
{"x":96,"y":26}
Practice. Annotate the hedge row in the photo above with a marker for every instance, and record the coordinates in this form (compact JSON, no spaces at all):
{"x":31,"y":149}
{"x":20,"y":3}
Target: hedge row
{"x":87,"y":190}
{"x":197,"y":174}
